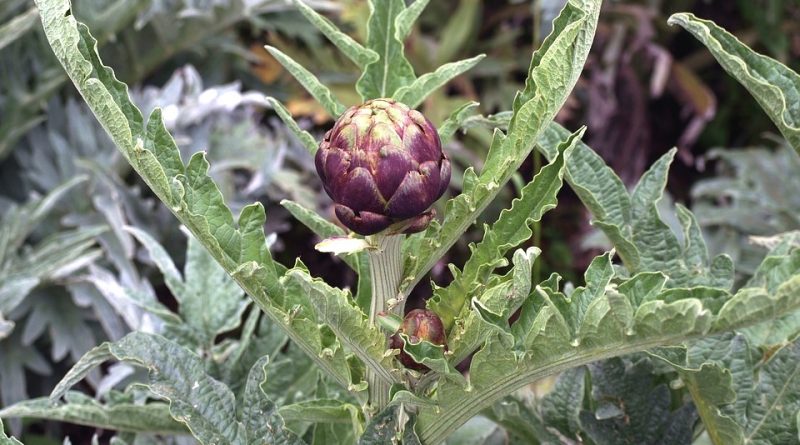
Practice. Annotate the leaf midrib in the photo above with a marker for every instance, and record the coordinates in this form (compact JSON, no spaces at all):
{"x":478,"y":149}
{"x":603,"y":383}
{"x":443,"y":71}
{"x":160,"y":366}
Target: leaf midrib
{"x":771,"y":408}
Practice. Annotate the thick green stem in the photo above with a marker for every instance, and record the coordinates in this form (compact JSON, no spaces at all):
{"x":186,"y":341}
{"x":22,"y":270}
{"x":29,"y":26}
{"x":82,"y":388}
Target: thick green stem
{"x":386,"y":272}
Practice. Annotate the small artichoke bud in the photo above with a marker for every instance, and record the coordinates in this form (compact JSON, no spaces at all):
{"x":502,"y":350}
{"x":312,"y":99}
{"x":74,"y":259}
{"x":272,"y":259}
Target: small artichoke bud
{"x":418,"y":325}
{"x":382,"y":164}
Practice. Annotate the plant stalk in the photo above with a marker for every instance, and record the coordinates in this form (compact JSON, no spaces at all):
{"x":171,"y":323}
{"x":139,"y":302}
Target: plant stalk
{"x":386,"y":272}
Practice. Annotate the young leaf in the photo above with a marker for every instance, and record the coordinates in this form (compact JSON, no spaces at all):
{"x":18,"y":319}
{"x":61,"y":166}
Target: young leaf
{"x":774,"y":86}
{"x":554,"y":70}
{"x":405,"y":20}
{"x":609,"y":326}
{"x":392,"y":70}
{"x":353,"y":50}
{"x":455,"y":121}
{"x":320,"y":92}
{"x":415,"y":93}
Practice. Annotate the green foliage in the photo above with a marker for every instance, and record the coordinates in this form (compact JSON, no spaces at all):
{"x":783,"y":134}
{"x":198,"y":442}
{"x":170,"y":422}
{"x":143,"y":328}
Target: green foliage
{"x":742,"y":397}
{"x":561,"y":55}
{"x":609,"y":402}
{"x":254,"y":386}
{"x":632,"y":223}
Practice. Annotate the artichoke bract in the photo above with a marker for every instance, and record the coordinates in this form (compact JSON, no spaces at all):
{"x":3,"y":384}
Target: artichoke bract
{"x":382,"y":164}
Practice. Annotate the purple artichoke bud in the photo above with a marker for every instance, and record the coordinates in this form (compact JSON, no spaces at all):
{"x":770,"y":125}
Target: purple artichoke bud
{"x":382,"y":164}
{"x":418,"y":325}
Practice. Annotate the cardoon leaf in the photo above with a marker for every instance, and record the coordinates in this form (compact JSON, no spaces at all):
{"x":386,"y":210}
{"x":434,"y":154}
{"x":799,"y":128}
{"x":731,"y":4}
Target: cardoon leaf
{"x":205,"y":405}
{"x":741,"y":397}
{"x":259,"y":415}
{"x":511,"y":229}
{"x":405,"y":20}
{"x":455,"y":121}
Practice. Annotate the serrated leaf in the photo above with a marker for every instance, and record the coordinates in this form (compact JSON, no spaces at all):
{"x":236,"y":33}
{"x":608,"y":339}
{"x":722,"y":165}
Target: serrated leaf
{"x":637,"y":409}
{"x":415,"y":93}
{"x":774,"y":86}
{"x":192,"y":197}
{"x":740,"y":398}
{"x":544,"y":335}
{"x":5,"y":440}
{"x":633,"y":224}
{"x":432,"y":356}
{"x":511,"y":229}
{"x":320,"y":92}
{"x":392,"y":70}
{"x":499,"y":302}
{"x":555,"y":67}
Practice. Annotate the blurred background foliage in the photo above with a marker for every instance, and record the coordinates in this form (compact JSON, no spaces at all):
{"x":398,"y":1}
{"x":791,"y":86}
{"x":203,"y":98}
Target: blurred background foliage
{"x":72,"y":274}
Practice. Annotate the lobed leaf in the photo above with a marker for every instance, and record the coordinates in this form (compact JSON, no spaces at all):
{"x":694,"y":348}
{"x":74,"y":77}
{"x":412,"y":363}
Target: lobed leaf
{"x":405,"y":20}
{"x":612,"y":316}
{"x":334,"y":308}
{"x":259,"y":415}
{"x":554,"y":70}
{"x":741,"y":398}
{"x":455,"y":121}
{"x":633,"y":224}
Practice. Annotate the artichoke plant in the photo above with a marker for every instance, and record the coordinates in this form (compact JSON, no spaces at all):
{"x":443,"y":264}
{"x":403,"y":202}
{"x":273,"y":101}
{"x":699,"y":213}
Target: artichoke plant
{"x":382,"y":164}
